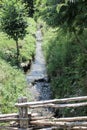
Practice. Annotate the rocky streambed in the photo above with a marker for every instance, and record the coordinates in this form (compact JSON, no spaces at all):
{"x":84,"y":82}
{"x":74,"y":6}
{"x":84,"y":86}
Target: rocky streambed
{"x":37,"y":77}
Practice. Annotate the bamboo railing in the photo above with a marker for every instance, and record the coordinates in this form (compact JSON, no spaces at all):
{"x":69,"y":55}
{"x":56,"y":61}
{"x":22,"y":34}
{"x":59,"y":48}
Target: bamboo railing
{"x":25,"y":119}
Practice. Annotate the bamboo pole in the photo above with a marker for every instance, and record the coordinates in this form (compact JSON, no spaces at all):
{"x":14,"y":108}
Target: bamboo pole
{"x":54,"y":128}
{"x":59,"y":124}
{"x":79,"y":128}
{"x":8,"y":119}
{"x":15,"y":117}
{"x":41,"y":118}
{"x":65,"y":100}
{"x":46,"y":118}
{"x":68,"y":119}
{"x":72,"y":105}
{"x":23,"y":113}
{"x":9,"y":115}
{"x":71,"y":119}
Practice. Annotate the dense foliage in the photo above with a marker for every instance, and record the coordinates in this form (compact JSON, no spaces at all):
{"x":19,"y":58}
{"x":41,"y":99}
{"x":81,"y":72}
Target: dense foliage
{"x":12,"y":78}
{"x":65,"y":47}
{"x":29,"y":7}
{"x":13,"y":21}
{"x":66,"y":65}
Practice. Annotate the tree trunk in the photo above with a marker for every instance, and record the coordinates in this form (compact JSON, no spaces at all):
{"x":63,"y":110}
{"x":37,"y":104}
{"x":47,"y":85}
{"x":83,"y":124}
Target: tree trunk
{"x":18,"y":52}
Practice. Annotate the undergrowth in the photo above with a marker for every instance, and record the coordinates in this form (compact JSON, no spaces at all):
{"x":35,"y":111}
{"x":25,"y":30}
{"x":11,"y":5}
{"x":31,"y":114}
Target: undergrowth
{"x":66,"y":64}
{"x":12,"y":86}
{"x":12,"y":79}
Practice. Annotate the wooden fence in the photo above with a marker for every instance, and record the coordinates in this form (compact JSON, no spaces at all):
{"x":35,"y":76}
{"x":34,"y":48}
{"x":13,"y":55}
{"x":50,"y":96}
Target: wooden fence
{"x":24,"y":119}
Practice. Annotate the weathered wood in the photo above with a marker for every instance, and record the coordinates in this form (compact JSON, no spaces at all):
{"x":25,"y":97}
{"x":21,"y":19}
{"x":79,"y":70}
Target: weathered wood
{"x":46,"y":118}
{"x":54,"y":128}
{"x":8,"y":119}
{"x":15,"y":117}
{"x":73,"y":105}
{"x":65,"y":100}
{"x":24,"y":118}
{"x":9,"y":115}
{"x":79,"y":128}
{"x":71,"y":119}
{"x":41,"y":117}
{"x":23,"y":113}
{"x":59,"y":124}
{"x":68,"y":119}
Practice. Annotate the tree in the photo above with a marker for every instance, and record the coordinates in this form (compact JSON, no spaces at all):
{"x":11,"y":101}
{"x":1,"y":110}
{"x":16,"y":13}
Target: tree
{"x":29,"y":6}
{"x":71,"y":14}
{"x":13,"y":21}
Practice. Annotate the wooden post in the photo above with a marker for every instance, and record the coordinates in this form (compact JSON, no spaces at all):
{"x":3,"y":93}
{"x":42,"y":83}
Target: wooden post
{"x":23,"y":113}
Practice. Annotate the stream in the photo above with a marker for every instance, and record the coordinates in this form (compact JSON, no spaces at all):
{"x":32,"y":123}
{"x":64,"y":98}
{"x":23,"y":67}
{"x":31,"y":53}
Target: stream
{"x":37,"y":78}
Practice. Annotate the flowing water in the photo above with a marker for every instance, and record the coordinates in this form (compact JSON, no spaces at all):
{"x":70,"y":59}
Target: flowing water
{"x":37,"y":77}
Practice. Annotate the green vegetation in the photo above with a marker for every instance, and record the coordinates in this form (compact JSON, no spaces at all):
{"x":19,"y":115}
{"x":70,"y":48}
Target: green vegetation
{"x":29,"y":6}
{"x":66,"y":63}
{"x":12,"y":86}
{"x":27,"y":46}
{"x":66,"y":66}
{"x":12,"y":79}
{"x":65,"y":47}
{"x":14,"y":22}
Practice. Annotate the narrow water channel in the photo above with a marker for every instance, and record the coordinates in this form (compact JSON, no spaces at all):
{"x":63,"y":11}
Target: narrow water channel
{"x":37,"y":77}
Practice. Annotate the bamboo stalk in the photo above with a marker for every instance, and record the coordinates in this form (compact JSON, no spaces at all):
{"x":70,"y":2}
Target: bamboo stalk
{"x":70,"y":119}
{"x":55,"y":128}
{"x":9,"y":115}
{"x":83,"y":98}
{"x":45,"y":118}
{"x":59,"y":124}
{"x":41,"y":117}
{"x":17,"y":115}
{"x":79,"y":128}
{"x":59,"y":105}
